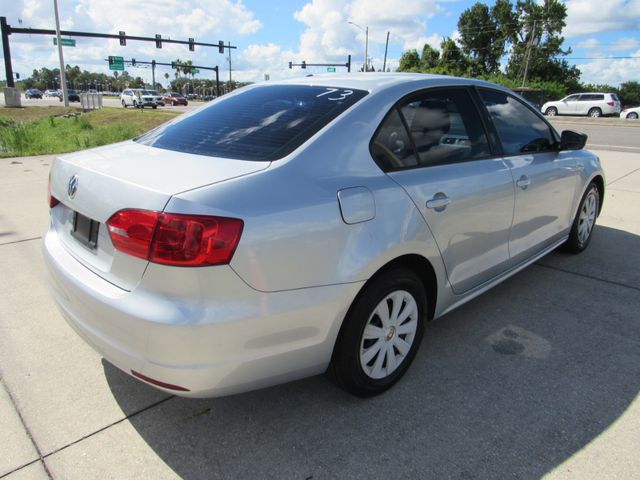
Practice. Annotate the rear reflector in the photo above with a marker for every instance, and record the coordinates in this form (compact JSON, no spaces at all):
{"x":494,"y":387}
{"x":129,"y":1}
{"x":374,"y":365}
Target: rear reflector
{"x":175,"y":239}
{"x":153,"y":381}
{"x":53,"y":201}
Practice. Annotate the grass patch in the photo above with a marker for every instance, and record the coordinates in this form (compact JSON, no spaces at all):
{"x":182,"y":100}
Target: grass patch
{"x":42,"y":132}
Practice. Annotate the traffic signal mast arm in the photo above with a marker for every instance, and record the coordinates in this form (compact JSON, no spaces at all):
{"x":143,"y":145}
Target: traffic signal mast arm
{"x":122,"y":36}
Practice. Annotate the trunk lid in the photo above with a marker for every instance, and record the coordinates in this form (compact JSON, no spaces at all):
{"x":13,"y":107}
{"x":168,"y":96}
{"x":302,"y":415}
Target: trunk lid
{"x":120,"y":176}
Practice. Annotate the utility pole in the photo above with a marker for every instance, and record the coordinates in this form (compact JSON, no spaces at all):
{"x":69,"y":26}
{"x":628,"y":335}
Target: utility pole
{"x":153,"y":74}
{"x":229,"y":65}
{"x":63,"y":76}
{"x":528,"y":54}
{"x":386,"y":47}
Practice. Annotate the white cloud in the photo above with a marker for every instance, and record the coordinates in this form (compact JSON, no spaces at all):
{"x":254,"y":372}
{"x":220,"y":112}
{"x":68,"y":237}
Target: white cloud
{"x":595,"y":16}
{"x":588,"y":44}
{"x":175,"y":17}
{"x":611,"y":71}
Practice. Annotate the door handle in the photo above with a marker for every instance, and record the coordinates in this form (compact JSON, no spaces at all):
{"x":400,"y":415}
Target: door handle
{"x":523,"y":182}
{"x":439,"y":202}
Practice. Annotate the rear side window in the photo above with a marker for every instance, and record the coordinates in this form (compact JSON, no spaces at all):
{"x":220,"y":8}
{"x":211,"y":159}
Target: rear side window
{"x":263,"y":123}
{"x":443,"y":127}
{"x":520,"y":130}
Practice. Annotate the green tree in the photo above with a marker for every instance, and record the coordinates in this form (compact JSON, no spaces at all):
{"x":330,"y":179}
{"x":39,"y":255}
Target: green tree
{"x":429,"y":58}
{"x":535,"y":35}
{"x":482,"y":37}
{"x":629,"y":93}
{"x":452,"y":60}
{"x":409,"y":62}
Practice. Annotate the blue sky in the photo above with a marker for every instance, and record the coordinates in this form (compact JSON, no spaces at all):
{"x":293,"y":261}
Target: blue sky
{"x":270,"y":34}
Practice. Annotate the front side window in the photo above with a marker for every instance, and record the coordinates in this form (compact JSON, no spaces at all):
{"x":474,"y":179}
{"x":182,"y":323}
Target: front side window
{"x":264,"y":123}
{"x":520,"y":130}
{"x":571,"y":98}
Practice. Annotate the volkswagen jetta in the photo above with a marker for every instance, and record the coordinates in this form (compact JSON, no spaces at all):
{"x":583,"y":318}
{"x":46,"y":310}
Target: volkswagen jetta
{"x":310,"y":225}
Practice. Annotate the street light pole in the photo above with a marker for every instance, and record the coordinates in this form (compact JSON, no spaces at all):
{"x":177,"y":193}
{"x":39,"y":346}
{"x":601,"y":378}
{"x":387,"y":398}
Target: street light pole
{"x":365,"y":66}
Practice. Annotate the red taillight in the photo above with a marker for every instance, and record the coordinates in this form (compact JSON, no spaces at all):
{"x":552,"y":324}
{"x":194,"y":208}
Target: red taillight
{"x":53,"y":201}
{"x":611,"y":104}
{"x":131,"y":231}
{"x":175,"y":239}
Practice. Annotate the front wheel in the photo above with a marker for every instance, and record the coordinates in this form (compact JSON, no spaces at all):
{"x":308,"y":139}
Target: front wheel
{"x":124,"y":104}
{"x":551,"y":112}
{"x":585,"y":220}
{"x":632,"y":116}
{"x":381,"y":334}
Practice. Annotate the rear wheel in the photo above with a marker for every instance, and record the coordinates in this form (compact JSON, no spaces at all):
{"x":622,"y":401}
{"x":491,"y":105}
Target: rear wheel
{"x":551,"y":112}
{"x":595,"y":112}
{"x":582,"y":228}
{"x":632,"y":116}
{"x":381,"y":334}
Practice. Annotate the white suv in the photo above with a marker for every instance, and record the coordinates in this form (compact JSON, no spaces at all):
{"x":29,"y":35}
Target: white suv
{"x":591,"y":104}
{"x":140,"y":98}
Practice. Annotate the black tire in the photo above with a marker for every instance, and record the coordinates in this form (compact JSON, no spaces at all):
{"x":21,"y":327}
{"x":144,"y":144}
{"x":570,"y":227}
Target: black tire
{"x":124,"y":104}
{"x":632,"y":116}
{"x":155,"y":106}
{"x":595,"y":112}
{"x":347,"y":368}
{"x":551,"y":112}
{"x":584,"y":221}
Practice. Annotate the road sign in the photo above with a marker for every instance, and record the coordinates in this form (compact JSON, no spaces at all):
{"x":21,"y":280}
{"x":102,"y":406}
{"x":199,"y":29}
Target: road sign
{"x":116,"y":63}
{"x":195,"y":70}
{"x":331,"y":69}
{"x":66,"y":42}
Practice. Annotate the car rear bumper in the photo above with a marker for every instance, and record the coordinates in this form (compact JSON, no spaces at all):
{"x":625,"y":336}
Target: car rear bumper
{"x":202,"y":329}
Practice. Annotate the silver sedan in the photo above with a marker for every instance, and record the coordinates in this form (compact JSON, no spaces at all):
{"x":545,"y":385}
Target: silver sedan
{"x":307,"y":226}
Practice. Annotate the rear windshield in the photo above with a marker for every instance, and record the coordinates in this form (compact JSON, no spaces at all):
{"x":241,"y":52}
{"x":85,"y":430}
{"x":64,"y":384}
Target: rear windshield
{"x":263,"y":123}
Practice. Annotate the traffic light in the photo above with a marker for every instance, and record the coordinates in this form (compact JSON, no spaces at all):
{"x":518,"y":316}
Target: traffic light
{"x":123,"y":39}
{"x":133,"y":62}
{"x":158,"y":40}
{"x":290,"y":65}
{"x":192,"y":47}
{"x":220,"y":46}
{"x":304,"y":64}
{"x":174,"y":65}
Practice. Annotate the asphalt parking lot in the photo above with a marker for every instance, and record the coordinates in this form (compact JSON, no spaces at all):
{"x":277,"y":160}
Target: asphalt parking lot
{"x":539,"y":377}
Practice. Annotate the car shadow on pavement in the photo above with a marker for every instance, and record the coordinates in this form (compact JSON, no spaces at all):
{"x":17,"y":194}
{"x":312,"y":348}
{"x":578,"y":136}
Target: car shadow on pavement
{"x":510,"y":385}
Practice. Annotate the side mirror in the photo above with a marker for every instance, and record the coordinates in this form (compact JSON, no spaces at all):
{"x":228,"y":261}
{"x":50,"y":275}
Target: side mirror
{"x":570,"y":140}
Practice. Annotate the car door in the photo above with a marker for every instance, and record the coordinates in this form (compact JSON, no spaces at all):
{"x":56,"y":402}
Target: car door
{"x":546,"y":180}
{"x":586,"y":102}
{"x":435,"y":146}
{"x":568,"y":105}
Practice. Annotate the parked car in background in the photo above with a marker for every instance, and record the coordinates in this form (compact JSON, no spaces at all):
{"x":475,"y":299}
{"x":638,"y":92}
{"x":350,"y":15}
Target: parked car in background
{"x":51,"y":93}
{"x":158,"y":97}
{"x":139,"y":98}
{"x":631,"y":113}
{"x":307,"y":225}
{"x":73,"y":95}
{"x":591,"y":104}
{"x":33,"y":93}
{"x":175,"y":98}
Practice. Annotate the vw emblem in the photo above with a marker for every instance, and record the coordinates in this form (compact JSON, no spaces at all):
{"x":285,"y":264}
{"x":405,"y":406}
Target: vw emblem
{"x":73,"y":186}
